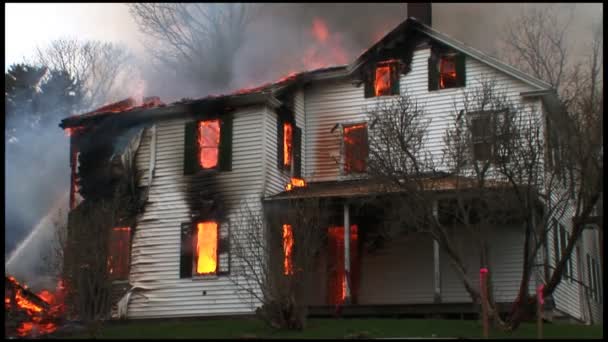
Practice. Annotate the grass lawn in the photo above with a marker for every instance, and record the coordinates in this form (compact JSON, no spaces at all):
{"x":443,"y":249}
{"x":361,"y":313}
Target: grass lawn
{"x":332,"y":328}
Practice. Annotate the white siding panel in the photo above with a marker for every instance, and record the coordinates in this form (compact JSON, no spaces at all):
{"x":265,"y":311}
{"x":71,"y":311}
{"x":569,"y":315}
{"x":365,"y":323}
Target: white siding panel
{"x":156,"y":242}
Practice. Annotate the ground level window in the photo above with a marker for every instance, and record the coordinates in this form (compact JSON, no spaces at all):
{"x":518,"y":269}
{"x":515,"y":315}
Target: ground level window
{"x":337,"y":275}
{"x":119,"y":253}
{"x":205,"y":250}
{"x":287,"y":249}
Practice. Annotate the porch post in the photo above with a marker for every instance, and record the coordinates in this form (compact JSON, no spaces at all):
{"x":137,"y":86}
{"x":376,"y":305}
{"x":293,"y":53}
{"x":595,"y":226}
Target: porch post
{"x":347,"y":252}
{"x":436,"y":266}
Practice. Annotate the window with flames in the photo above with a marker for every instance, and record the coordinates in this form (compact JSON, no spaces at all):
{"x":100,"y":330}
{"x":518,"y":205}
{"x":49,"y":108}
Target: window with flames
{"x":287,"y":249}
{"x":446,"y":70}
{"x":355,"y":148}
{"x":205,"y":249}
{"x":289,"y":144}
{"x":383,"y":80}
{"x":119,"y":253}
{"x":208,"y":145}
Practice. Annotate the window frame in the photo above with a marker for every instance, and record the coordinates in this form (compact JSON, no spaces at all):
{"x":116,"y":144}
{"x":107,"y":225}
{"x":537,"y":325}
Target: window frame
{"x":494,"y":117}
{"x":112,"y":250}
{"x":394,"y":67}
{"x":199,"y":147}
{"x":343,"y":148}
{"x":434,"y":68}
{"x":194,"y":241}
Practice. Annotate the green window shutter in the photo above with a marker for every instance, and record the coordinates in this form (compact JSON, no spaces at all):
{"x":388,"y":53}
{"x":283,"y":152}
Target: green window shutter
{"x":225,"y":157}
{"x":370,"y":77}
{"x":395,"y":79}
{"x":185,"y":258}
{"x":279,"y":142}
{"x":461,"y":73}
{"x":190,"y":149}
{"x":433,"y":74}
{"x":297,"y":152}
{"x":223,"y":249}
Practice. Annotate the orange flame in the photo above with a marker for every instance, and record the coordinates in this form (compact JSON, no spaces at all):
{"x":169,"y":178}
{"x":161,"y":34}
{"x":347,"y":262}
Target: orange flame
{"x":295,"y":183}
{"x":206,"y":247}
{"x":287,"y":143}
{"x":383,"y":80}
{"x":38,"y":323}
{"x":209,"y":141}
{"x":319,"y":30}
{"x":287,"y":249}
{"x":447,"y":72}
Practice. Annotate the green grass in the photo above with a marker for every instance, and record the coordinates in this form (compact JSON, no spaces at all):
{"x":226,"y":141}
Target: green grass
{"x":332,"y":328}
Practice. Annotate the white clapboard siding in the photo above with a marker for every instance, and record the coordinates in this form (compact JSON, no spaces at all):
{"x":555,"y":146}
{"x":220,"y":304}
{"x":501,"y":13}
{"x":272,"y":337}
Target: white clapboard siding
{"x":331,"y":102}
{"x":156,"y":243}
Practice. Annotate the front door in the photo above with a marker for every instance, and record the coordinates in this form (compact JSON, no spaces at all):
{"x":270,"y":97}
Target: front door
{"x":336,"y":274}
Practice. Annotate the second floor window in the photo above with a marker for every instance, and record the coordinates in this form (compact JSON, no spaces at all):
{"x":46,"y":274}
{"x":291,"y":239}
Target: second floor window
{"x":209,"y":143}
{"x":287,"y":144}
{"x":446,"y":70}
{"x":383,"y":80}
{"x":486,"y":136}
{"x":355,"y":148}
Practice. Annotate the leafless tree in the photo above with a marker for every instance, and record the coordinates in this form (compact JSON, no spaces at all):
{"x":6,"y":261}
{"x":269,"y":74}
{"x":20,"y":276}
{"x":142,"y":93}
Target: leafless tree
{"x":99,"y":66}
{"x":274,"y":263}
{"x":199,"y":40}
{"x":575,"y":135}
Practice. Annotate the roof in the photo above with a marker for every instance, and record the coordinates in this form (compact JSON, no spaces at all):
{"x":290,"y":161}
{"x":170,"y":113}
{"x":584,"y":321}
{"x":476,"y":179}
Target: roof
{"x":270,"y":89}
{"x":371,"y":187}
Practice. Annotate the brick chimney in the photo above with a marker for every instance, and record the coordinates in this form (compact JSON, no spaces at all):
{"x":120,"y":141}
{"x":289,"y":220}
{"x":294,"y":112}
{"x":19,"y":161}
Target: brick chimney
{"x":421,"y":11}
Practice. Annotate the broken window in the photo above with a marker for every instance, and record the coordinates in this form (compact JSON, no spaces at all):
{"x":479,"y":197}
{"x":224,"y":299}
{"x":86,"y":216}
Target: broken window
{"x":209,"y":143}
{"x":205,"y":251}
{"x":446,"y":70}
{"x":287,"y":144}
{"x":355,"y":148}
{"x":205,"y":248}
{"x":384,"y":79}
{"x":119,"y":253}
{"x":287,"y":249}
{"x":337,"y":274}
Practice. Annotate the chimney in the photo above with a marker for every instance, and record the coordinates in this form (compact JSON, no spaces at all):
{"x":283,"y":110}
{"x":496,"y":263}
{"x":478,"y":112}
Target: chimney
{"x":421,"y":11}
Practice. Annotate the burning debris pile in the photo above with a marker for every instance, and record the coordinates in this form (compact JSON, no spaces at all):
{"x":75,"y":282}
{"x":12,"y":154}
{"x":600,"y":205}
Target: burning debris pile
{"x":28,"y":314}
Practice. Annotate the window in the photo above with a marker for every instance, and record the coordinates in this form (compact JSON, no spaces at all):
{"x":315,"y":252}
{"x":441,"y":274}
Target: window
{"x":590,"y":276}
{"x":208,"y":145}
{"x":446,"y":71}
{"x":287,"y":144}
{"x":205,"y":248}
{"x":287,"y":249}
{"x":119,"y":253}
{"x":205,"y":251}
{"x":355,"y":148}
{"x":563,"y":240}
{"x":486,"y":136}
{"x":383,"y":79}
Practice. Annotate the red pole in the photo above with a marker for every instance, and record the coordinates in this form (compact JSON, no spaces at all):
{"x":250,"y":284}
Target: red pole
{"x":540,"y":300}
{"x":483,"y":272}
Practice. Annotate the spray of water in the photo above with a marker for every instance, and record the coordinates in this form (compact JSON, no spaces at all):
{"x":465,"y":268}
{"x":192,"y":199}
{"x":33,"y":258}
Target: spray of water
{"x":27,"y":258}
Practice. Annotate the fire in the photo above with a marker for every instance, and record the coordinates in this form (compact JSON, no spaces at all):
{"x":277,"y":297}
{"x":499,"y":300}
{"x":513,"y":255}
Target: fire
{"x":338,"y":279}
{"x":206,"y":247}
{"x":39,"y":317}
{"x":287,"y":143}
{"x":287,"y":249}
{"x":319,"y":30}
{"x":295,"y":183}
{"x":69,"y":131}
{"x":383,"y":80}
{"x":447,"y":72}
{"x":209,"y":142}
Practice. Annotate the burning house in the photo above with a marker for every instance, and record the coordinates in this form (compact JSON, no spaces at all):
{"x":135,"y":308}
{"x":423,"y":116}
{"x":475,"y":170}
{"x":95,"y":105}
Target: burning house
{"x":188,"y":166}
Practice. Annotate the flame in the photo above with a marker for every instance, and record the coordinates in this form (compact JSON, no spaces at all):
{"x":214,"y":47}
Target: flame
{"x":355,"y":151}
{"x":336,"y":235}
{"x":209,"y":141}
{"x":287,"y":249}
{"x":383,"y":80}
{"x":447,"y":72}
{"x":295,"y":183}
{"x":287,"y":143}
{"x":38,"y":323}
{"x":206,"y":247}
{"x":319,"y":30}
{"x":69,"y":131}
